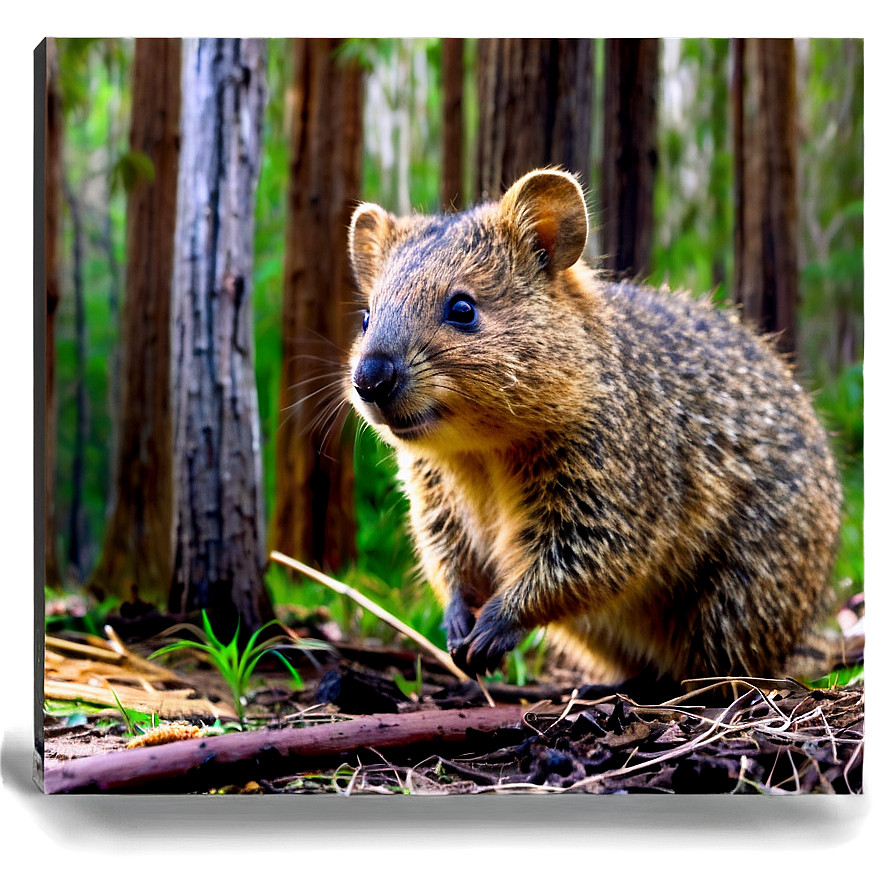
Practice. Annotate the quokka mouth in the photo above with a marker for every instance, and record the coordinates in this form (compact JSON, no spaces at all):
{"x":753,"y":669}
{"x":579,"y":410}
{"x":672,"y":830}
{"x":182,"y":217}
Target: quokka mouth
{"x":413,"y":425}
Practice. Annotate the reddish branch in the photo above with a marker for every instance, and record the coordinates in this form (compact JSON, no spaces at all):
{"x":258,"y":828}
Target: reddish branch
{"x":195,"y":764}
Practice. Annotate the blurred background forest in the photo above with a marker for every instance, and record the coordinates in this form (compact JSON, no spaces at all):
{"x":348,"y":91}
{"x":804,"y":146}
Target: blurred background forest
{"x":427,"y":117}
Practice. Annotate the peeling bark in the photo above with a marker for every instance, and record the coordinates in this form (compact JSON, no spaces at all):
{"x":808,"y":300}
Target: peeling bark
{"x":219,"y":544}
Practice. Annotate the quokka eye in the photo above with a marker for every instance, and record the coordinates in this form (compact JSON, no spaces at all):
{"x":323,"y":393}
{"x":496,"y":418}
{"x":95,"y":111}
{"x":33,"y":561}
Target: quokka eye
{"x":461,"y":311}
{"x":365,"y":320}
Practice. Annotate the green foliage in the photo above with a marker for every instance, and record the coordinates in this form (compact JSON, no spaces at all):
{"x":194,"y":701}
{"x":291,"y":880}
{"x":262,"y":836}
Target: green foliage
{"x":832,"y":178}
{"x":237,"y":665}
{"x":839,"y":678}
{"x":840,"y":406}
{"x":131,"y":168}
{"x":693,"y":240}
{"x":96,"y":99}
{"x":72,"y":712}
{"x":525,"y":662}
{"x":90,"y":622}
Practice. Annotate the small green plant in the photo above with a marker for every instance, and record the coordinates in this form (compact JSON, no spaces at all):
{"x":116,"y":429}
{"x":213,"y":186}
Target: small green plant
{"x":525,"y":661}
{"x":236,"y":666}
{"x":414,"y":686}
{"x":135,"y":722}
{"x":840,"y":677}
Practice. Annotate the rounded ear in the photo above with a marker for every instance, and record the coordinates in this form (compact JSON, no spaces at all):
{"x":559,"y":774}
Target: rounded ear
{"x":550,"y":205}
{"x":368,"y":237}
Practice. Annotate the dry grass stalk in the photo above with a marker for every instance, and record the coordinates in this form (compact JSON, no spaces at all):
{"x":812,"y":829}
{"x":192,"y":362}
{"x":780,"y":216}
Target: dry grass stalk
{"x":372,"y":607}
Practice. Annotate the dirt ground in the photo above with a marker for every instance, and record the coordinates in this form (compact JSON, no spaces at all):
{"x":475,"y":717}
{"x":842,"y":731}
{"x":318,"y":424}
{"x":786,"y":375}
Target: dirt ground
{"x":720,"y":736}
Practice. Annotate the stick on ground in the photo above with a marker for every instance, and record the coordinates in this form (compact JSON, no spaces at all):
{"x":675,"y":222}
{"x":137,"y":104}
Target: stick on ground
{"x":200,"y":763}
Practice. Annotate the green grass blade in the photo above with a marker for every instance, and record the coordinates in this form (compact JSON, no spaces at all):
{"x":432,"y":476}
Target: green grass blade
{"x":297,"y":679}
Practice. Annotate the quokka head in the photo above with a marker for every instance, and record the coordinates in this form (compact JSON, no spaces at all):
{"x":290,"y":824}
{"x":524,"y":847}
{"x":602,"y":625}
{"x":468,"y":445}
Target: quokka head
{"x":473,"y":327}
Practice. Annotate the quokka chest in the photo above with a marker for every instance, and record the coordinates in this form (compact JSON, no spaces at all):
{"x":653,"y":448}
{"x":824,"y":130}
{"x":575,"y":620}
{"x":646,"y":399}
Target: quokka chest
{"x":489,"y":509}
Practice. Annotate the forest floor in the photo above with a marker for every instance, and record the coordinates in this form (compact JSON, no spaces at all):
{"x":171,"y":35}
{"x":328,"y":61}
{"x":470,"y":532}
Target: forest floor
{"x":370,"y":720}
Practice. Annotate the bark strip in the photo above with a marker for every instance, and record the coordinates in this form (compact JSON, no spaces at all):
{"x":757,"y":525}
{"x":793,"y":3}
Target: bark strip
{"x":197,"y":764}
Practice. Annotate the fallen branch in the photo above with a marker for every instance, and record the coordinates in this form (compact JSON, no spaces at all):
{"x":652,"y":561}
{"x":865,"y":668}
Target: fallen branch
{"x":197,"y":764}
{"x":371,"y":607}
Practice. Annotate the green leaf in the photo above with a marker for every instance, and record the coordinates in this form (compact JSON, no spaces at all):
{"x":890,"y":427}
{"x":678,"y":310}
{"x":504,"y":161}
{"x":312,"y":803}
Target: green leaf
{"x":132,"y":168}
{"x":297,"y":679}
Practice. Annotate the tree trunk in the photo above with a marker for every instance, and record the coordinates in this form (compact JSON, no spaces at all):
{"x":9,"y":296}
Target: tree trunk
{"x":53,"y":131}
{"x":77,"y":521}
{"x":766,"y":266}
{"x":719,"y":199}
{"x":136,"y":552}
{"x":452,"y":122}
{"x":219,"y":545}
{"x":630,"y":154}
{"x":313,"y":515}
{"x":535,"y":109}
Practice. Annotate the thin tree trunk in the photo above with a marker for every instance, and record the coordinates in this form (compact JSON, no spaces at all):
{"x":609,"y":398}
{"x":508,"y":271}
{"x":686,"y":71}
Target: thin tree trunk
{"x":53,"y":135}
{"x":219,"y":536}
{"x":114,"y":394}
{"x":77,"y":521}
{"x":452,"y":122}
{"x":766,"y":265}
{"x":136,"y":552}
{"x":719,"y":177}
{"x":535,"y":109}
{"x":630,"y":154}
{"x":313,"y":516}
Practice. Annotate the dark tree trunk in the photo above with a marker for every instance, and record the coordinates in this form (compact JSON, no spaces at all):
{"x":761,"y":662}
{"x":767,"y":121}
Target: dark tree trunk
{"x":630,"y":154}
{"x":535,"y":109}
{"x":136,"y":552}
{"x":113,"y":363}
{"x":77,"y":523}
{"x":719,"y":198}
{"x":219,"y":520}
{"x":53,"y":131}
{"x":452,"y":122}
{"x":766,"y":265}
{"x":313,"y":515}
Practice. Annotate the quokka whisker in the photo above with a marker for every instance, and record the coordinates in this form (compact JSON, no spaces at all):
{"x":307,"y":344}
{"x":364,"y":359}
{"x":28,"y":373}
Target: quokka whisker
{"x":333,"y":379}
{"x":329,"y":387}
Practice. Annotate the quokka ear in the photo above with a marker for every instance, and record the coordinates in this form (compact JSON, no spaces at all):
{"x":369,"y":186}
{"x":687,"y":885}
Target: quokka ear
{"x":549,"y":204}
{"x":368,"y":237}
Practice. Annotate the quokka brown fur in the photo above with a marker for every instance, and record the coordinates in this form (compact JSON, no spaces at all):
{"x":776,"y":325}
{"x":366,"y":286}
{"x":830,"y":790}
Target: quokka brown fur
{"x":631,"y":467}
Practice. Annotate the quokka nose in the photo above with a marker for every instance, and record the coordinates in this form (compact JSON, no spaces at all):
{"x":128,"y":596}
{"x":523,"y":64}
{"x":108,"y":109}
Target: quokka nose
{"x":375,"y":379}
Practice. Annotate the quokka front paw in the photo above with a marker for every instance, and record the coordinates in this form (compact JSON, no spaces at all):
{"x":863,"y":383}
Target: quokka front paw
{"x":493,"y":635}
{"x":458,"y":622}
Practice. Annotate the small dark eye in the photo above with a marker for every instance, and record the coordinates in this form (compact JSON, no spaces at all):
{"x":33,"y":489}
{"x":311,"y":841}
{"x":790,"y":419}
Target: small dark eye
{"x":461,"y":311}
{"x":365,"y":321}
